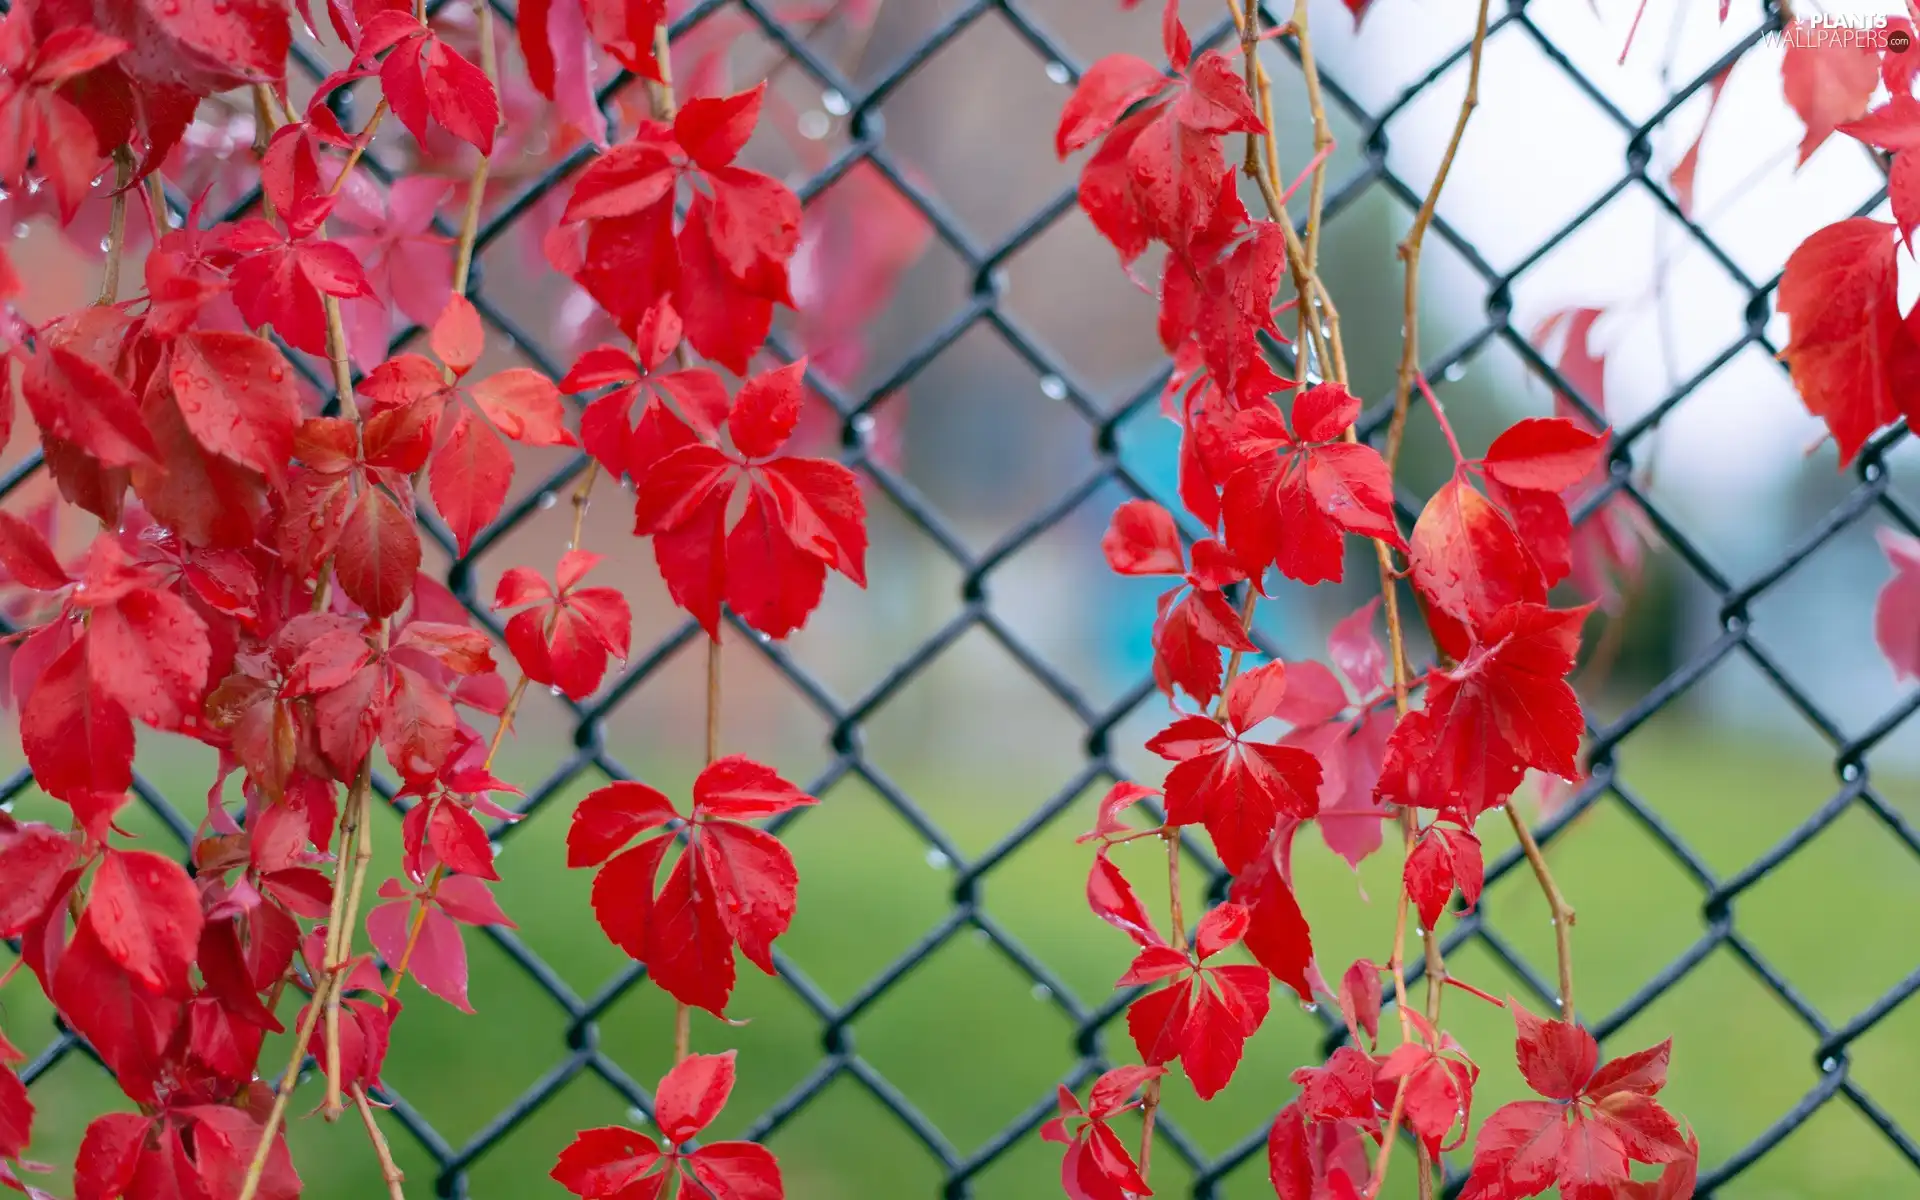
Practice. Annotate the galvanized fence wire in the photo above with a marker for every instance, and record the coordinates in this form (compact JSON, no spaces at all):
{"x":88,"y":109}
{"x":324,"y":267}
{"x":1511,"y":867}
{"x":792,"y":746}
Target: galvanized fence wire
{"x":1829,"y":1077}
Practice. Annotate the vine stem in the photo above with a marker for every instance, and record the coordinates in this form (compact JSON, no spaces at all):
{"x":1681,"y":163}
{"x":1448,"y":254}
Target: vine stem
{"x":116,"y":226}
{"x":1150,"y":1095}
{"x":1410,"y":247}
{"x":389,"y":1170}
{"x":1409,"y":251}
{"x":359,"y":148}
{"x":477,"y":186}
{"x":1563,"y":914}
{"x":355,"y":834}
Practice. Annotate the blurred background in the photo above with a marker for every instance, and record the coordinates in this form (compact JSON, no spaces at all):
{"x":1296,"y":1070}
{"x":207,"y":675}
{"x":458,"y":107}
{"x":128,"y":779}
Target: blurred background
{"x":984,"y":359}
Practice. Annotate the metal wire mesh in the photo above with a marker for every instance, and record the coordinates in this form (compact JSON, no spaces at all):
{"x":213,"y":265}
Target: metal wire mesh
{"x":1829,"y":1078}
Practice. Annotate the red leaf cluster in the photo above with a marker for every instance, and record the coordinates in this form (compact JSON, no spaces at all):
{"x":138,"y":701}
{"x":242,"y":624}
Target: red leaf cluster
{"x":733,"y":886}
{"x":618,"y":1164}
{"x":716,"y":278}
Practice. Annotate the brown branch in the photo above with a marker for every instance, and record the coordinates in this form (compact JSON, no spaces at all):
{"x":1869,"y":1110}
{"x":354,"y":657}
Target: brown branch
{"x":1563,"y":914}
{"x":116,"y":226}
{"x":1385,"y":1157}
{"x":275,"y":1116}
{"x":389,"y":1170}
{"x":360,"y":145}
{"x":361,"y":800}
{"x":1410,"y":248}
{"x":477,"y":186}
{"x":581,"y":496}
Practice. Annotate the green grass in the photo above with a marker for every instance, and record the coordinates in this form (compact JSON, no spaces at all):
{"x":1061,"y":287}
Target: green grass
{"x":971,"y":1043}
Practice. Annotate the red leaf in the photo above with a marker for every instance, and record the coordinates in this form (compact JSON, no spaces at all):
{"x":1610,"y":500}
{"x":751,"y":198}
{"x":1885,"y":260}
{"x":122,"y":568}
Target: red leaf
{"x":1505,"y":708}
{"x":378,"y":554}
{"x":1838,"y":294}
{"x":1356,"y":651}
{"x":1143,"y":540}
{"x":689,"y":948}
{"x":471,"y":475}
{"x":1545,"y":454}
{"x":1828,"y":83}
{"x":524,"y":405}
{"x":1237,"y":788}
{"x":461,"y":97}
{"x":713,"y":129}
{"x":109,"y":1155}
{"x":149,"y":652}
{"x":126,"y":1022}
{"x":27,"y":557}
{"x":1360,"y":999}
{"x":33,"y":860}
{"x":1557,"y":1058}
{"x":238,"y":398}
{"x":77,"y":738}
{"x":1468,"y":559}
{"x":736,"y":1171}
{"x":610,"y":1162}
{"x":1442,"y":860}
{"x":1895,"y":127}
{"x":1277,"y":933}
{"x":623,"y":896}
{"x":146,"y":913}
{"x":741,"y":789}
{"x":458,"y":339}
{"x":1104,"y":93}
{"x":612,"y":816}
{"x":16,"y":1115}
{"x":439,"y":960}
{"x":459,"y":841}
{"x":1114,"y":901}
{"x":692,"y":1095}
{"x":1519,"y":1150}
{"x":752,"y":879}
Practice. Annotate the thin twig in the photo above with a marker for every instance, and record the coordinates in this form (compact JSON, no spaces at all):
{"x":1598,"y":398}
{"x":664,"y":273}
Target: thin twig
{"x":1150,"y":1095}
{"x":581,"y":496}
{"x":360,"y":145}
{"x":1385,"y":1158}
{"x":477,"y":187}
{"x":116,"y":225}
{"x":1563,"y":914}
{"x":275,"y":1116}
{"x":340,"y":940}
{"x":1410,"y":248}
{"x":389,"y":1170}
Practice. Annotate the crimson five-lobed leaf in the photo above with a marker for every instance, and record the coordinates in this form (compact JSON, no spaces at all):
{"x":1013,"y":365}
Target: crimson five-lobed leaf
{"x":618,"y":1164}
{"x":733,"y":886}
{"x":799,"y":517}
{"x":1595,"y":1122}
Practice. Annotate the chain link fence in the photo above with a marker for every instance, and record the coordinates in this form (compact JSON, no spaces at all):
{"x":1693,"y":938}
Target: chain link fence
{"x":981,"y":305}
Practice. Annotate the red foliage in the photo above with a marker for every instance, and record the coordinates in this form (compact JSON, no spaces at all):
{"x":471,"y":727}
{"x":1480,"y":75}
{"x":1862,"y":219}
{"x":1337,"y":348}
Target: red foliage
{"x":255,"y":584}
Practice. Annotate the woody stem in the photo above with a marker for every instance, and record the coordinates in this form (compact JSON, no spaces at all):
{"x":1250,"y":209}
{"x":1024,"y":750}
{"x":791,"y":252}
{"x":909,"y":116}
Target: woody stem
{"x":116,"y":225}
{"x":1563,"y":914}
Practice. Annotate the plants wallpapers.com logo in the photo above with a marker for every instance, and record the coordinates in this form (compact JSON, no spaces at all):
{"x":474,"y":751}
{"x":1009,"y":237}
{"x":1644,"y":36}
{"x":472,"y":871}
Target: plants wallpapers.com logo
{"x":1848,"y":31}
